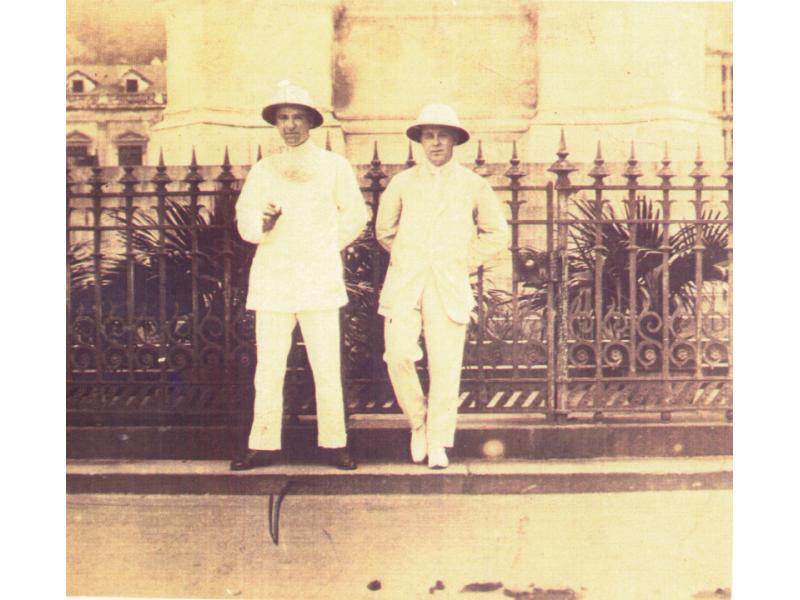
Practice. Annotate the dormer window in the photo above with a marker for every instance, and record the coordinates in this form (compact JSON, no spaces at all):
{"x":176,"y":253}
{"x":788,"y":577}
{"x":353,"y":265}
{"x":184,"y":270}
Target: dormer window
{"x":80,"y":83}
{"x":132,"y":86}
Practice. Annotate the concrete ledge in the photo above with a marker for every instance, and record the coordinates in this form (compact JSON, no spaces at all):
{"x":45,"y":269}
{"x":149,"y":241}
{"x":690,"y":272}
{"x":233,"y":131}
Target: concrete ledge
{"x":378,"y":438}
{"x":462,"y":477}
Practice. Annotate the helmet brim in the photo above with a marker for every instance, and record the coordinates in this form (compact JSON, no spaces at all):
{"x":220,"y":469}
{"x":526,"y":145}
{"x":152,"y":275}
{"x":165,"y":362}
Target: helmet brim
{"x":269,"y":113}
{"x":415,"y":131}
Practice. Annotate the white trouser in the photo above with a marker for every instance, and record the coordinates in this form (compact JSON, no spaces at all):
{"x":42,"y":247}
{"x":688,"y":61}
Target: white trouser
{"x":444,"y":341}
{"x":273,"y":341}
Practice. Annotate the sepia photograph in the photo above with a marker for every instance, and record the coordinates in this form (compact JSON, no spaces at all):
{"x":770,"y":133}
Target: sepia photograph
{"x":399,"y":299}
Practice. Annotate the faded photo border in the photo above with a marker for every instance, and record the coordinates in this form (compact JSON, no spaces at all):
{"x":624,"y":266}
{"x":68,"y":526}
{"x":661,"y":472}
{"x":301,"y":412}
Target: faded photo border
{"x":767,"y":416}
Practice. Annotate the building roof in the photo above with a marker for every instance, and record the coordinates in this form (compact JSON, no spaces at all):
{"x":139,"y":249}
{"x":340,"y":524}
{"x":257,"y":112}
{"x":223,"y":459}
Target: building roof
{"x":109,"y":78}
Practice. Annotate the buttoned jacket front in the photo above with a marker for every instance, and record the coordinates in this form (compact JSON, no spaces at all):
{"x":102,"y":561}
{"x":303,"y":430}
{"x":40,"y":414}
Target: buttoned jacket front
{"x":298,"y":266}
{"x":441,"y":222}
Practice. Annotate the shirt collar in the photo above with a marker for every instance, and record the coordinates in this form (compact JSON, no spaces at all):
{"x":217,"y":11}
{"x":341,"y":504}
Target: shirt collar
{"x":431,"y":169}
{"x":300,"y":150}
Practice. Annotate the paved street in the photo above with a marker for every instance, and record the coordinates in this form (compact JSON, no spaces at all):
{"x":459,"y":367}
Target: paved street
{"x":641,"y":545}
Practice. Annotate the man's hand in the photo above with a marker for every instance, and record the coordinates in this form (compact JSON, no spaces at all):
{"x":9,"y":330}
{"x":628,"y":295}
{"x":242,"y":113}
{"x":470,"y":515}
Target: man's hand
{"x":270,"y":216}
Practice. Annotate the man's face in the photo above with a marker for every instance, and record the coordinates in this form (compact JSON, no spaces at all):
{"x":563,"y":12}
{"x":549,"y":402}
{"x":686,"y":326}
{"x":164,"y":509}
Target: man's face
{"x":293,"y":123}
{"x":437,"y":142}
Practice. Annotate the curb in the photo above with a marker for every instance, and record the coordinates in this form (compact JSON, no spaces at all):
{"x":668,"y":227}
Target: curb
{"x":386,"y":439}
{"x":467,"y":477}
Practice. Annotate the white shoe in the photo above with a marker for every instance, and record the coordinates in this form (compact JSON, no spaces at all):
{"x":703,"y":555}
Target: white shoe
{"x":437,"y":458}
{"x":419,"y":444}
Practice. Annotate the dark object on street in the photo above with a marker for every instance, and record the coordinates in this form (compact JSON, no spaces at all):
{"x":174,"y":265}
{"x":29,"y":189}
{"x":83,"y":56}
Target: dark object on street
{"x":537,"y":593}
{"x":339,"y":458}
{"x":439,"y":585}
{"x":255,"y":458}
{"x":482,"y":587}
{"x":718,"y":593}
{"x":374,"y":585}
{"x":274,"y":514}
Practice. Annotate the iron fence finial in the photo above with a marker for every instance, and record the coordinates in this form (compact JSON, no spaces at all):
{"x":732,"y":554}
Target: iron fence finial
{"x":226,"y":177}
{"x":514,"y":173}
{"x":161,"y":179}
{"x":665,"y":172}
{"x":633,"y":171}
{"x":480,"y":164}
{"x":128,"y":179}
{"x":375,"y":172}
{"x":698,"y":173}
{"x":562,"y":167}
{"x":728,"y":174}
{"x":600,"y":171}
{"x":96,"y":180}
{"x":193,"y":177}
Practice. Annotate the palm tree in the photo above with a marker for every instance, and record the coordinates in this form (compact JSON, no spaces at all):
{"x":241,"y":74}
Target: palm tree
{"x":184,"y":229}
{"x":615,"y":237}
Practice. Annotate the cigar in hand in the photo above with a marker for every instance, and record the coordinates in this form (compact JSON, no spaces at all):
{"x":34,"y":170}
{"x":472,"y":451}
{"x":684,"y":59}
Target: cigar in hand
{"x":271,"y":214}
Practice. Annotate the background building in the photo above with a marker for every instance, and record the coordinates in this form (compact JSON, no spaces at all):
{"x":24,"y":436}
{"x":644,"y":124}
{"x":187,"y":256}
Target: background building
{"x":516,"y":70}
{"x":111,"y":110}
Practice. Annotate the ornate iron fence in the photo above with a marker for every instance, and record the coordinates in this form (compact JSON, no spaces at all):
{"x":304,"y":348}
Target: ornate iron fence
{"x":613,"y":298}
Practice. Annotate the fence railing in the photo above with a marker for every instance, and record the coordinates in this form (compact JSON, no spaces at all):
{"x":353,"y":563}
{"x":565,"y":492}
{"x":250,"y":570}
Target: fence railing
{"x":612,"y":298}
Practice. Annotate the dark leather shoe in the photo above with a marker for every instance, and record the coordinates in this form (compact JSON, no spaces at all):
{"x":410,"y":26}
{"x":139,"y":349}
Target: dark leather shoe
{"x":255,"y":458}
{"x":340,"y":458}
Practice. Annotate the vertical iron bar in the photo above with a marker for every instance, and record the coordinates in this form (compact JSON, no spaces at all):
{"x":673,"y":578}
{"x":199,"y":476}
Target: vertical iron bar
{"x":194,"y":179}
{"x":482,"y":392}
{"x":70,"y":259}
{"x":129,"y":181}
{"x":226,"y":180}
{"x":665,"y":173}
{"x":514,"y":173}
{"x":728,"y":175}
{"x":562,"y":168}
{"x":161,"y":179}
{"x":480,"y":163}
{"x":96,"y":182}
{"x":375,"y":174}
{"x":553,"y":279}
{"x":698,"y":174}
{"x":632,"y":173}
{"x":598,"y":173}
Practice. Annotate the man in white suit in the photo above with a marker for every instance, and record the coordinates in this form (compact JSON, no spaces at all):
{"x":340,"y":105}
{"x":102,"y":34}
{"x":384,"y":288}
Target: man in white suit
{"x":439,"y":221}
{"x":302,"y":206}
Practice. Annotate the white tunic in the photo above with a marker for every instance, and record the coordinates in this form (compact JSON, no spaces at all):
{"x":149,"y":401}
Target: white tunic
{"x":297,"y":266}
{"x":440,"y":222}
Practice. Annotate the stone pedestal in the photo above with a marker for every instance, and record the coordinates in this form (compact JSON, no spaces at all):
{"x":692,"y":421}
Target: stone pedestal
{"x":395,"y":56}
{"x":514,"y":70}
{"x":225,"y":59}
{"x":620,"y":72}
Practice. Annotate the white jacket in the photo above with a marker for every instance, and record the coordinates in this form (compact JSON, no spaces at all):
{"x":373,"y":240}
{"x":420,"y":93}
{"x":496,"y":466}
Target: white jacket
{"x":441,"y":220}
{"x":297,"y":265}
